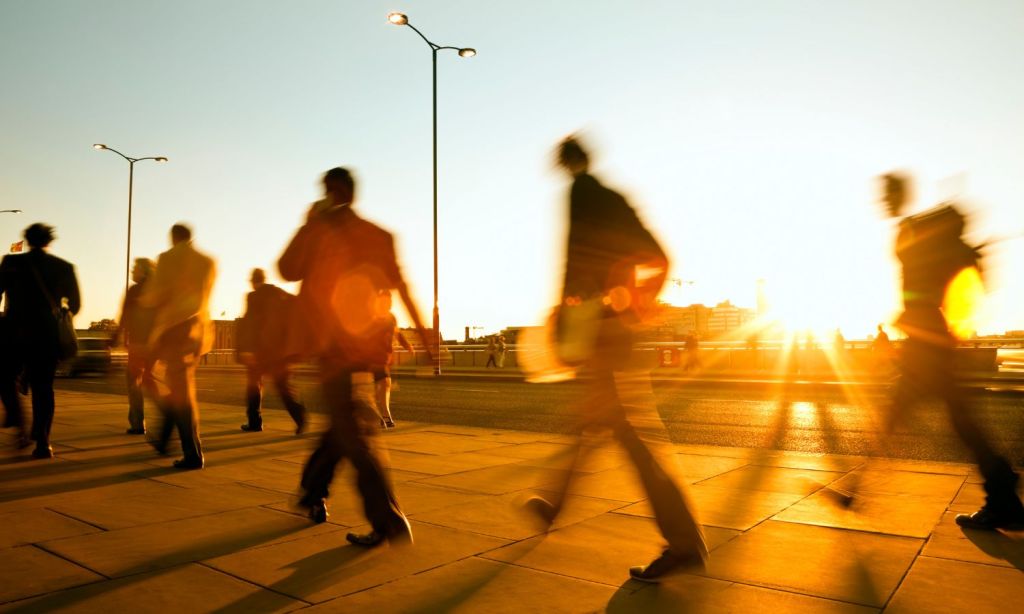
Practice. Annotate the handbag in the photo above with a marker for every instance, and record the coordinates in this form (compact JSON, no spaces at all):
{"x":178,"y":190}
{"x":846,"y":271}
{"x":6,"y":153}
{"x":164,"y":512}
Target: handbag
{"x":67,"y":338}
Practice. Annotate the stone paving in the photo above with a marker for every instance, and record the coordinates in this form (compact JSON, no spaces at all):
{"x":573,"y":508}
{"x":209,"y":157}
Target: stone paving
{"x":108,"y":526}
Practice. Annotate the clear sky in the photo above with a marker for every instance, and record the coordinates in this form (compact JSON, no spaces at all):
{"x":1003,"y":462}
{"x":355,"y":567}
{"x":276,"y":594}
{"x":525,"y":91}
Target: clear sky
{"x":747,"y":133}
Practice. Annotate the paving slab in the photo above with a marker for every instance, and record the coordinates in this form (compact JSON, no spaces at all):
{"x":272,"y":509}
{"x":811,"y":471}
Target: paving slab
{"x":889,"y":482}
{"x":601,"y":549}
{"x":187,"y":588}
{"x":323,"y":567}
{"x":35,"y":525}
{"x":728,"y":508}
{"x":30,"y":571}
{"x":949,"y":541}
{"x":445,"y":464}
{"x":151,"y":547}
{"x":938,"y":585}
{"x":477,"y":585}
{"x":850,"y":566}
{"x":697,"y":467}
{"x":438,"y":442}
{"x":497,"y":480}
{"x":774,"y":479}
{"x":687,"y":593}
{"x":504,"y":516}
{"x":891,"y":514}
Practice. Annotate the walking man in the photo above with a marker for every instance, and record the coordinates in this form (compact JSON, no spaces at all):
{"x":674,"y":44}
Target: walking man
{"x":932,"y":252}
{"x":136,"y":324}
{"x":344,"y":262}
{"x":261,"y":346}
{"x":180,"y":295}
{"x":602,"y":297}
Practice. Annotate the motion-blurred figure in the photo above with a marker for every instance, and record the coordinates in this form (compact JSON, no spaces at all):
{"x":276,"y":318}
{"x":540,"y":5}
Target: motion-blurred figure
{"x":180,"y":295}
{"x":500,"y":351}
{"x":882,"y":350}
{"x":262,"y":348}
{"x":136,"y":325}
{"x":931,"y":250}
{"x":38,"y":287}
{"x":492,"y":349}
{"x":602,"y":297}
{"x":344,"y":262}
{"x":692,"y":347}
{"x":388,"y":334}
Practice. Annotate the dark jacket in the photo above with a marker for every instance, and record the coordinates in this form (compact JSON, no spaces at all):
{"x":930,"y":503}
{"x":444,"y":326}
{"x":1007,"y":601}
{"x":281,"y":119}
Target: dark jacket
{"x":262,"y":331}
{"x":136,"y":319}
{"x":343,"y":262}
{"x":29,"y":313}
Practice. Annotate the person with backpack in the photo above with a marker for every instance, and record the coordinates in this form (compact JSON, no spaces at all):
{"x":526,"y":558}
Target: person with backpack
{"x":604,"y":296}
{"x":41,"y":290}
{"x":261,"y":348}
{"x":932,"y":252}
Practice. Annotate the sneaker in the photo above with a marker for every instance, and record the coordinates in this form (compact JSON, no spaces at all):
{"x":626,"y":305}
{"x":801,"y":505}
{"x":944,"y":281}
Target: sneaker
{"x":669,"y":563}
{"x":987,"y":519}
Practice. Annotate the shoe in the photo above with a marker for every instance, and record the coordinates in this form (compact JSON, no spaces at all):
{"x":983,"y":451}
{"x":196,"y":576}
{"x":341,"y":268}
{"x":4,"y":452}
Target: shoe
{"x":669,"y":563}
{"x":42,"y":452}
{"x":368,"y":540}
{"x":316,"y":509}
{"x":300,"y":424}
{"x":183,"y":463}
{"x":542,"y":508}
{"x":136,"y":431}
{"x":383,"y":425}
{"x":987,"y":519}
{"x":252,"y":428}
{"x":389,"y":424}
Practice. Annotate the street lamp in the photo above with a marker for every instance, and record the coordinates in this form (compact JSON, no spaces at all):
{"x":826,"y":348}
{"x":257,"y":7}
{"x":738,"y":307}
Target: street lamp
{"x":131,"y":177}
{"x":400,"y":19}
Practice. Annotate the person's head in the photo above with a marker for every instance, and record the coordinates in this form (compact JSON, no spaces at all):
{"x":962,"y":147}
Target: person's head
{"x":880,"y":329}
{"x":39,"y":235}
{"x":180,"y":233}
{"x":895,"y":192}
{"x":572,"y":157}
{"x":340,"y":186}
{"x":142,"y":269}
{"x":258,"y":278}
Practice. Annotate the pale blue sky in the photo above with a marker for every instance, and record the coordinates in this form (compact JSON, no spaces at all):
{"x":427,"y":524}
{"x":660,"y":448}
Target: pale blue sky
{"x":747,"y":133}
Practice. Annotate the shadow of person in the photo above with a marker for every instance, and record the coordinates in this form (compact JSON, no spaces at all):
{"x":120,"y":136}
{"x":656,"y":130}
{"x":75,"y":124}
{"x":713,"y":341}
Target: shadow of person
{"x":678,"y":594}
{"x":1006,"y":546}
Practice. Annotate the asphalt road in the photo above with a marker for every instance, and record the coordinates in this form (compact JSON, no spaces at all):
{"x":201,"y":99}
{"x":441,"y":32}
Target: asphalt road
{"x":815,"y":420}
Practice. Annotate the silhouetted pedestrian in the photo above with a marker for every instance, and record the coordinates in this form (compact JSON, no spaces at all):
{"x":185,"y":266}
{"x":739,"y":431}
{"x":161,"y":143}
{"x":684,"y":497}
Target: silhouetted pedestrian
{"x":38,"y":287}
{"x":388,"y":335}
{"x":492,"y":350}
{"x":262,"y":348}
{"x":180,"y":294}
{"x":602,"y":298}
{"x":344,"y":262}
{"x":136,"y":325}
{"x":931,"y":251}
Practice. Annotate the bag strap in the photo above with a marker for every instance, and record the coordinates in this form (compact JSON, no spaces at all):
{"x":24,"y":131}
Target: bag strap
{"x":42,"y":286}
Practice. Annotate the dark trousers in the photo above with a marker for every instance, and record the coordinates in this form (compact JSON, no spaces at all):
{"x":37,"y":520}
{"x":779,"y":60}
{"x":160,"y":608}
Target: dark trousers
{"x":352,"y":435}
{"x":254,"y":392}
{"x":926,"y":371}
{"x":178,"y":351}
{"x":9,"y":369}
{"x":40,"y":368}
{"x":138,"y":379}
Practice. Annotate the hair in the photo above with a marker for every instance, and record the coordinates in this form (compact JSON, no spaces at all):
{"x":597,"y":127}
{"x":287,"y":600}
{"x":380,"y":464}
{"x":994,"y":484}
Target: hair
{"x":339,"y":175}
{"x":181,"y":232}
{"x":39,"y":235}
{"x":570,"y":151}
{"x":258,"y":276}
{"x":145,"y":266}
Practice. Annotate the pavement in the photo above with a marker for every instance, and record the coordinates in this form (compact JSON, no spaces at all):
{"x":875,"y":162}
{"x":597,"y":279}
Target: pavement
{"x":108,"y":526}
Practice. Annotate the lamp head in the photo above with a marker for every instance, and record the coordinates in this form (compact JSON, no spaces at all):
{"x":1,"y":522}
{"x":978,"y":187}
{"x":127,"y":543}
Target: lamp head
{"x":98,"y":146}
{"x":467,"y":52}
{"x":160,"y":159}
{"x":398,"y":19}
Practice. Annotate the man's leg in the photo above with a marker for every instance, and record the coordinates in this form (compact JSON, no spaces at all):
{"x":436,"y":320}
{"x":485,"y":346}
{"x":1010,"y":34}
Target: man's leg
{"x":382,"y":387}
{"x":253,"y":398}
{"x":284,"y":388}
{"x":181,"y":371}
{"x":13,"y":417}
{"x":134,"y":372}
{"x":41,"y":369}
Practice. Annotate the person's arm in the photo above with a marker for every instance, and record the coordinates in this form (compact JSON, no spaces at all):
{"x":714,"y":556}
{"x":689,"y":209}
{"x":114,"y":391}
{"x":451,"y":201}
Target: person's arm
{"x":153,"y":291}
{"x":294,"y":262}
{"x":73,"y":296}
{"x":402,"y":341}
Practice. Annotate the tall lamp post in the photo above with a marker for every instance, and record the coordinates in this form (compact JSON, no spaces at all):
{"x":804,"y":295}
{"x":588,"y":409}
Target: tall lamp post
{"x":131,"y":177}
{"x":400,"y":19}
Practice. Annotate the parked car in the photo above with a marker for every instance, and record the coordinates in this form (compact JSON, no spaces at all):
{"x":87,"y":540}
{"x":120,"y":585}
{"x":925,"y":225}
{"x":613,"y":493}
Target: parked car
{"x":93,"y":357}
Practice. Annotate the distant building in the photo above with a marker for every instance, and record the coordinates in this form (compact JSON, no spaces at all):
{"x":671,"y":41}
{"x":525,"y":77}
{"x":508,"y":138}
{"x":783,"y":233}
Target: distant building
{"x":678,"y":322}
{"x":726,"y":317}
{"x":225,"y":334}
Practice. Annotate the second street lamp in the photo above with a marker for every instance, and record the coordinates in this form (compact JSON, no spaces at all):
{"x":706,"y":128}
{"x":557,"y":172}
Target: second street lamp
{"x":131,"y":178}
{"x":400,"y":19}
